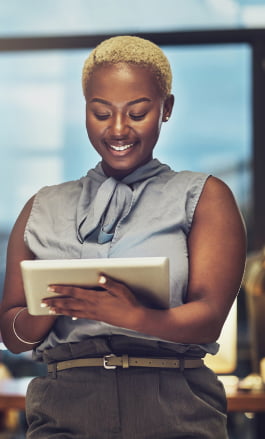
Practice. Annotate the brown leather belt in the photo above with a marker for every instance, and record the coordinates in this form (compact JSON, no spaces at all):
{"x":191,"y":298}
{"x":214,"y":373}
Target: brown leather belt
{"x":124,"y":361}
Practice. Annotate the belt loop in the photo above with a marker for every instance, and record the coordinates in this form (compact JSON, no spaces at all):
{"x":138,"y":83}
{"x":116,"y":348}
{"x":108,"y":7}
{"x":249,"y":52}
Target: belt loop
{"x":54,"y":371}
{"x":125,"y":361}
{"x":181,"y":364}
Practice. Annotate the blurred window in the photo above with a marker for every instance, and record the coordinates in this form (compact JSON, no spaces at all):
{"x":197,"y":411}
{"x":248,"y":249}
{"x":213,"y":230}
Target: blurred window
{"x":42,"y":121}
{"x":71,"y":17}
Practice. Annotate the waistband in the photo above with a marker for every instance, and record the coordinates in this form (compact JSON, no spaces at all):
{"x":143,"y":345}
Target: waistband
{"x":96,"y":347}
{"x":112,"y":362}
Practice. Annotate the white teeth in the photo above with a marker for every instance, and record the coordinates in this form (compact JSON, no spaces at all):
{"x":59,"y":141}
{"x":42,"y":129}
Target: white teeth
{"x":121,"y":148}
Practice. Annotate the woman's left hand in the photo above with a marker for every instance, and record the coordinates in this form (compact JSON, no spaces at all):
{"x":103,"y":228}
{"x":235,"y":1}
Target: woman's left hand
{"x":114,"y":303}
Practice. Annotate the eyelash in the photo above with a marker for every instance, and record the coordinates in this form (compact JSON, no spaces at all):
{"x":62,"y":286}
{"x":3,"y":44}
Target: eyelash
{"x":102,"y":116}
{"x":135,"y":117}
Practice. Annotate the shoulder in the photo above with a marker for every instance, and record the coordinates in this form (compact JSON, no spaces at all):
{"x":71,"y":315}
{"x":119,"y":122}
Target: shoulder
{"x":185,"y":182}
{"x":23,"y":217}
{"x":187,"y":177}
{"x":58,"y":195}
{"x":49,"y":203}
{"x":189,"y":183}
{"x":62,"y":188}
{"x":189,"y":186}
{"x":217,"y":204}
{"x":217,"y":194}
{"x":217,"y":186}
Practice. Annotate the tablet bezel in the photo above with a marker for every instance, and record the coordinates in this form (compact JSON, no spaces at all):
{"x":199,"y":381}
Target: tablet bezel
{"x":147,"y":277}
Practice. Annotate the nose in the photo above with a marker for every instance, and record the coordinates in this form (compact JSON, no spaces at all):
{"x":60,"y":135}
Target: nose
{"x":119,"y":128}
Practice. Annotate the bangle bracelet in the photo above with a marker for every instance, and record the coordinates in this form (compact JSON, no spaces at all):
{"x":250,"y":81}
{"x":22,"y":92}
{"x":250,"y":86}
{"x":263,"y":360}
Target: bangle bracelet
{"x":15,"y":332}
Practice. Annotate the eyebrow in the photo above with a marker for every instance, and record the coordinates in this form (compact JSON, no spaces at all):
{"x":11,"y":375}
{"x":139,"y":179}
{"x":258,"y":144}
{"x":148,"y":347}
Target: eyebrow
{"x":136,"y":101}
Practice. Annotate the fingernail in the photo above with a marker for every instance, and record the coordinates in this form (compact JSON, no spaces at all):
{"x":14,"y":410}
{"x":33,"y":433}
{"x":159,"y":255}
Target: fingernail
{"x":74,"y":318}
{"x":51,"y":290}
{"x":102,"y":280}
{"x":43,"y":305}
{"x":52,"y":312}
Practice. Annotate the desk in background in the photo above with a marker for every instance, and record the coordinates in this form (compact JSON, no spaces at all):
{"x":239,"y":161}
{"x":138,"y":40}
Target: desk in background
{"x":13,"y":391}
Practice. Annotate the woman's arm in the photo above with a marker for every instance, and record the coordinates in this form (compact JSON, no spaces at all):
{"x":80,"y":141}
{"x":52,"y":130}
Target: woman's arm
{"x":217,"y":250}
{"x":32,"y":329}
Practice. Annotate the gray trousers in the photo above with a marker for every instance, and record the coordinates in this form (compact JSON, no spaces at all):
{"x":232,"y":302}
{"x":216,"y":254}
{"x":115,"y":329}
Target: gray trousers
{"x":134,"y":403}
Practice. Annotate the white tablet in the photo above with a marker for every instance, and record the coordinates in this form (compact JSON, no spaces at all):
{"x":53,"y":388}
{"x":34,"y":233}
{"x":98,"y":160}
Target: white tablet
{"x":148,"y":278}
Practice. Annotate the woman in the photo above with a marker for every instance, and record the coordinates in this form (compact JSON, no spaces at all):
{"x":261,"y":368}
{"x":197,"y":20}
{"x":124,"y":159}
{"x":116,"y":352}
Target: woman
{"x":130,"y":205}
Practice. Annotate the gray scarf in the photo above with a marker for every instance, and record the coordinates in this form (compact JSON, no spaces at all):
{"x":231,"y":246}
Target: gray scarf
{"x":99,"y":217}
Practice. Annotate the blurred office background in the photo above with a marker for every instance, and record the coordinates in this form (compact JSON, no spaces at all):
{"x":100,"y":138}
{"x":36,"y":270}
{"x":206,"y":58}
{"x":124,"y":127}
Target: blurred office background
{"x":217,"y":52}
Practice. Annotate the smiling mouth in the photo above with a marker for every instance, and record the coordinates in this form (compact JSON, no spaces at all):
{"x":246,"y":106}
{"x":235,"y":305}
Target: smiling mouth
{"x":121,"y":147}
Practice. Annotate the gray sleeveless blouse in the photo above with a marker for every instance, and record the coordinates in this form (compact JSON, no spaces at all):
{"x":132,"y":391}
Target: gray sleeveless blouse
{"x":148,"y":213}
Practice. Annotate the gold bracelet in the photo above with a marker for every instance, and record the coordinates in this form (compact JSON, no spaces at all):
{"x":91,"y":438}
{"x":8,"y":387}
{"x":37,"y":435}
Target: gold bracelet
{"x":15,"y":332}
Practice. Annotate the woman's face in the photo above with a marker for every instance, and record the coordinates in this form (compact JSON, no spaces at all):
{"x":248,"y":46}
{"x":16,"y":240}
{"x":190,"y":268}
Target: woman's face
{"x":124,"y":112}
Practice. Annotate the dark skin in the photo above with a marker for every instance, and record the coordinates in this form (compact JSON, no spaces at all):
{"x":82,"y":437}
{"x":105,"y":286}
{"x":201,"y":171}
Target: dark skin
{"x":124,"y":114}
{"x":128,"y":115}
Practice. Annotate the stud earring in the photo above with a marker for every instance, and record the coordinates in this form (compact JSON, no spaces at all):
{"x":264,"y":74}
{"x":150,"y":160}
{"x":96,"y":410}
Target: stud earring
{"x":166,"y":118}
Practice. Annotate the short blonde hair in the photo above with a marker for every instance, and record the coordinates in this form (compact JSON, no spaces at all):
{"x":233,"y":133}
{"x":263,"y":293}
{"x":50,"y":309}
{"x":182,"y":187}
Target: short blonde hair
{"x":132,"y":50}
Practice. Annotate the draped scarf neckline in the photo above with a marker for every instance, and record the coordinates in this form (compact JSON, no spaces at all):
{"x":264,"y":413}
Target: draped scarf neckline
{"x":104,"y":201}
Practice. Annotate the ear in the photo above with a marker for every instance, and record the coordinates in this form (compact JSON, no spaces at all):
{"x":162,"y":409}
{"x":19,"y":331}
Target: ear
{"x":168,"y":106}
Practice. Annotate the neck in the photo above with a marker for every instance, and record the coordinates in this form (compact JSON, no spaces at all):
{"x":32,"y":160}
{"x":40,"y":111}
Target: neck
{"x":119,"y":174}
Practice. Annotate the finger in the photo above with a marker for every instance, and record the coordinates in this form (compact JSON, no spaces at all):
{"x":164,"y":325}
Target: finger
{"x":72,"y":306}
{"x":68,"y":307}
{"x":74,"y":313}
{"x":70,"y":291}
{"x":65,"y":290}
{"x":64,"y":302}
{"x":111,"y":285}
{"x":69,"y":313}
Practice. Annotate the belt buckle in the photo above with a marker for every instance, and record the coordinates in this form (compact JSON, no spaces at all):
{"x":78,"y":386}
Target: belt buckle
{"x":105,"y":362}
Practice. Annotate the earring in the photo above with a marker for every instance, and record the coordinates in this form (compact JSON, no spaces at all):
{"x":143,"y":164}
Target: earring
{"x":166,"y":118}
